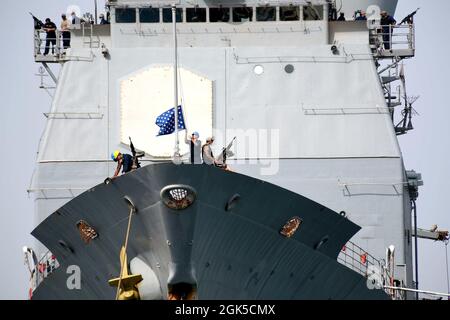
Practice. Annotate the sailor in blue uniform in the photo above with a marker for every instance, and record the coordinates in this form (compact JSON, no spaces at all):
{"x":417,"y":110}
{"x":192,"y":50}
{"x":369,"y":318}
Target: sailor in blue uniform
{"x":386,"y":22}
{"x":124,"y":161}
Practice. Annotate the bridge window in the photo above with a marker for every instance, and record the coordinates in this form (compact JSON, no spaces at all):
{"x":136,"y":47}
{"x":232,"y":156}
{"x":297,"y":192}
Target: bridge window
{"x":196,"y":15}
{"x":290,"y":13}
{"x":149,"y":15}
{"x":311,"y":13}
{"x":242,"y":14}
{"x":219,"y":15}
{"x":266,"y":13}
{"x":125,"y":15}
{"x":167,"y":14}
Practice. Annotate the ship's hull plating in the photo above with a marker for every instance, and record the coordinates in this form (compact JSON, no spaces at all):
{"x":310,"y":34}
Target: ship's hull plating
{"x":237,"y":253}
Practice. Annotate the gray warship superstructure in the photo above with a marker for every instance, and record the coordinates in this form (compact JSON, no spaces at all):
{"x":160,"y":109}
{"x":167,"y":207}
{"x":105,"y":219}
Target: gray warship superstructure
{"x":318,"y":199}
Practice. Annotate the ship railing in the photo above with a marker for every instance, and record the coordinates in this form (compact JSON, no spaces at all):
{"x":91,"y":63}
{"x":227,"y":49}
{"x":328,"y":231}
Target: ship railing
{"x":90,"y":39}
{"x":46,"y":266}
{"x":55,"y":51}
{"x":359,"y":260}
{"x":393,"y":41}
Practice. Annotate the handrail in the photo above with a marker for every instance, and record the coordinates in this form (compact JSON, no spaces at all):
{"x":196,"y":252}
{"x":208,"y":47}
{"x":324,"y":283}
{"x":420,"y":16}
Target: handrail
{"x":56,"y":50}
{"x":359,"y":260}
{"x":45,"y":266}
{"x":393,"y":39}
{"x":40,"y":39}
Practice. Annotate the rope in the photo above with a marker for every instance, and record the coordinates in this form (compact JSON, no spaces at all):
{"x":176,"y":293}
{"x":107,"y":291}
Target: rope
{"x":124,"y":260}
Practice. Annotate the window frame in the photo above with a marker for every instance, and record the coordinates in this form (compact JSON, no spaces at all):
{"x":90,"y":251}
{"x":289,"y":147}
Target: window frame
{"x":320,"y":10}
{"x":252,"y":16}
{"x":197,"y":8}
{"x":227,"y":9}
{"x":149,"y":8}
{"x":266,"y":7}
{"x":125,"y":9}
{"x":297,"y":8}
{"x":170,"y":10}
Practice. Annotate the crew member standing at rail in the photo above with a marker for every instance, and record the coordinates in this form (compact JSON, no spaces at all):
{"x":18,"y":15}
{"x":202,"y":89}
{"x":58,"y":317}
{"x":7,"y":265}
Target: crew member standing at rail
{"x":65,"y":29}
{"x":50,"y":29}
{"x":387,"y":22}
{"x":362,"y":16}
{"x":341,"y":17}
{"x":75,"y":20}
{"x":102,"y":19}
{"x":207,"y":154}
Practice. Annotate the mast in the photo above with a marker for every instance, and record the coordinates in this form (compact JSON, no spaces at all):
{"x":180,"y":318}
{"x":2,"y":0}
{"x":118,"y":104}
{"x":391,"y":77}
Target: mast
{"x":175,"y":80}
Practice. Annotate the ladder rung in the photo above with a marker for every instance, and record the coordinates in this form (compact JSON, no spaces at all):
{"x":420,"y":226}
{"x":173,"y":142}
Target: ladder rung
{"x":387,"y":80}
{"x":394,"y":104}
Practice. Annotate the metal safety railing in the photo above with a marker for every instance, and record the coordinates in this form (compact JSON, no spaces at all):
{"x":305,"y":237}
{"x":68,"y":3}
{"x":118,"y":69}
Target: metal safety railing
{"x":46,"y":266}
{"x":359,"y":260}
{"x":90,"y":39}
{"x":44,"y":45}
{"x":393,"y":40}
{"x":53,"y":48}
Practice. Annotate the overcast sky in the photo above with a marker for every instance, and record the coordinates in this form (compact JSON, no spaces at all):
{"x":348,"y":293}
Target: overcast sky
{"x":426,"y":149}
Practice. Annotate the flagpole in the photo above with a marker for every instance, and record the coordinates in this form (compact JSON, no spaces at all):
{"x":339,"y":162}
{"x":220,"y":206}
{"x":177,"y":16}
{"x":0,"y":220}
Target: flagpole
{"x":175,"y":79}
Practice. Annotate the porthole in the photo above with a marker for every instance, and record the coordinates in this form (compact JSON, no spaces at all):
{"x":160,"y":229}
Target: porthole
{"x":258,"y":70}
{"x":289,"y":68}
{"x":321,"y":242}
{"x":232,"y":201}
{"x":63,"y":244}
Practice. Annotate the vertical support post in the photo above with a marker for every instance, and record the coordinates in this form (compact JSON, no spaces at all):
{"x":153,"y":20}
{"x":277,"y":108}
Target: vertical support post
{"x":390,"y":36}
{"x":416,"y":250}
{"x":327,"y":25}
{"x":91,"y":36}
{"x":326,"y":13}
{"x":446,"y":265}
{"x":36,"y":274}
{"x":389,"y":89}
{"x":95,"y":6}
{"x":37,"y":42}
{"x":175,"y":79}
{"x":58,"y":50}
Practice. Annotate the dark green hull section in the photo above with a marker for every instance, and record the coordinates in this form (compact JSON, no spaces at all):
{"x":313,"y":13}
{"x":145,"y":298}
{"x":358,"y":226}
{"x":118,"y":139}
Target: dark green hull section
{"x":230,"y":254}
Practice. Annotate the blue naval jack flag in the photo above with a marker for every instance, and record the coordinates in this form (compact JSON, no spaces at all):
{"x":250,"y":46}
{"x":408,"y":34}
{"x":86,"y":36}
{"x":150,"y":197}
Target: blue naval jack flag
{"x":166,"y":121}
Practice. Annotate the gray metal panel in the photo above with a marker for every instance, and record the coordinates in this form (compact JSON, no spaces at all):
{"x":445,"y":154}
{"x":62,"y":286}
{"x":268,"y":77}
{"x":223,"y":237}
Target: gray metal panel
{"x":229,"y":248}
